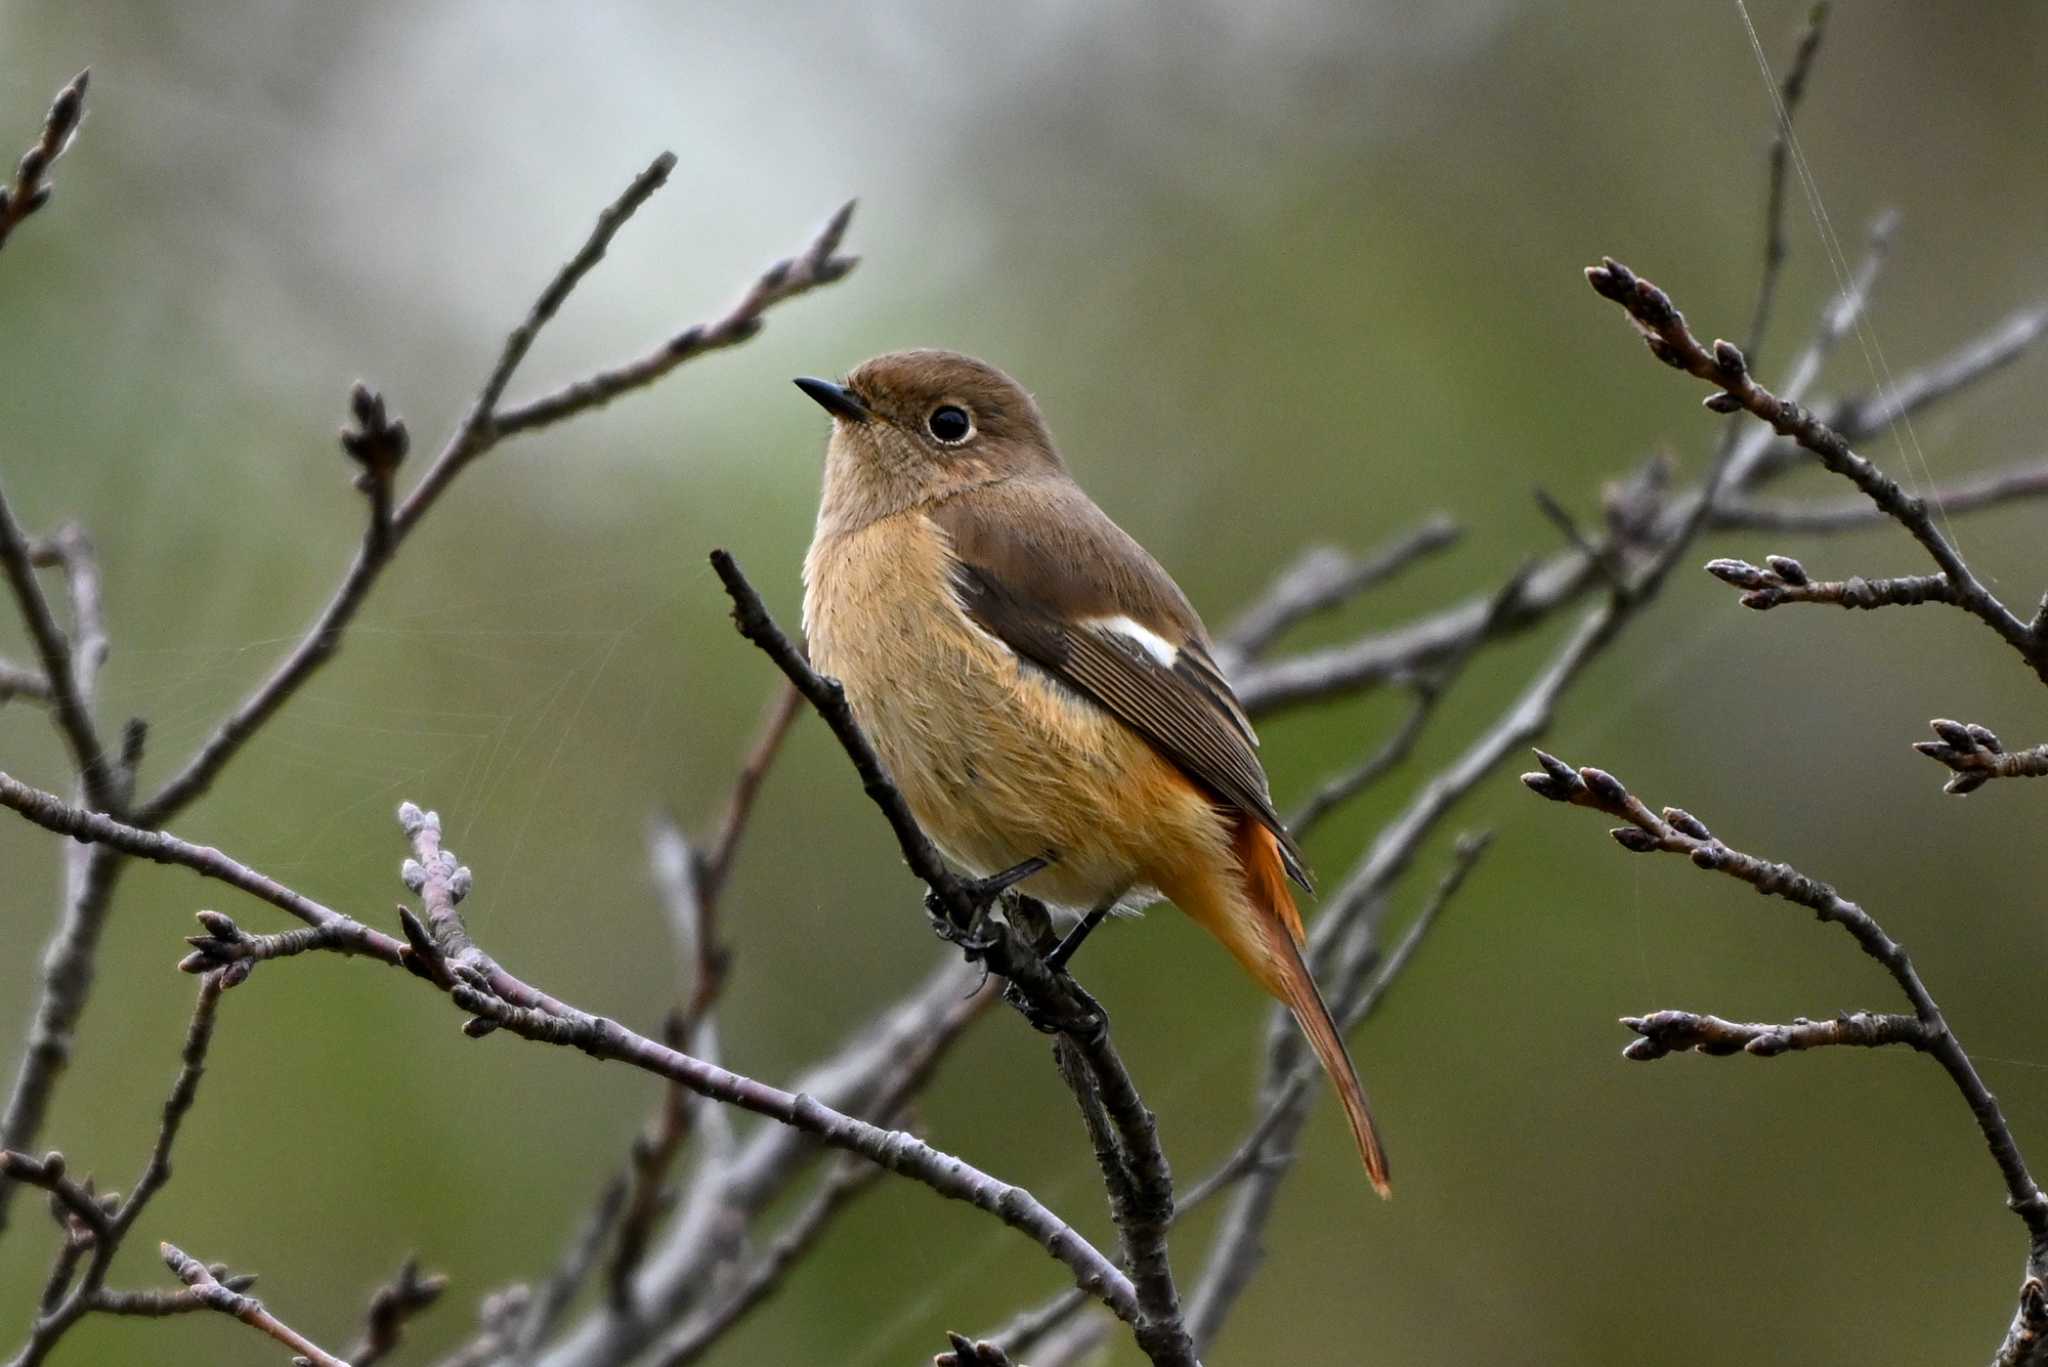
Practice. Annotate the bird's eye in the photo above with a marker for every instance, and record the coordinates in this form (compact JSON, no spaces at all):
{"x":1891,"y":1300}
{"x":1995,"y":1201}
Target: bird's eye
{"x":950,"y":424}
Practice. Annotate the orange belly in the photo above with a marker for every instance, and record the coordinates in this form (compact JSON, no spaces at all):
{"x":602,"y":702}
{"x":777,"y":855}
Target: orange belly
{"x":998,"y":761}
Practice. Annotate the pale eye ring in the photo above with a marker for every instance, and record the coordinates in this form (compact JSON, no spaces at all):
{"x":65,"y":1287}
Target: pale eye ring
{"x":949,"y":424}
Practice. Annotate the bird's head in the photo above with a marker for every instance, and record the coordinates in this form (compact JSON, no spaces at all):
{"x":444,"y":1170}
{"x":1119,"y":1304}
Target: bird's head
{"x":911,"y":427}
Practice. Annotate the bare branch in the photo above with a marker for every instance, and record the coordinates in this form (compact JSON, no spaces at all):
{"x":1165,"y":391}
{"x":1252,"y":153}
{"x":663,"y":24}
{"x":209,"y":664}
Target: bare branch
{"x":52,"y":1174}
{"x":500,"y":1000}
{"x":844,"y":1180}
{"x":482,"y":429}
{"x":70,"y":699}
{"x":1322,"y":579}
{"x":1977,"y":755}
{"x":1679,"y":832}
{"x":631,"y":1204}
{"x":16,"y":681}
{"x":781,"y":714}
{"x":1139,"y":1181}
{"x":818,"y":264}
{"x":968,"y":1352}
{"x":1263,"y":1159}
{"x":1665,"y":331}
{"x":1790,"y":92}
{"x":1992,"y":488}
{"x":31,"y":189}
{"x":104,"y":1221}
{"x":393,"y":1306}
{"x":250,"y":1311}
{"x":1866,"y":416}
{"x":874,"y":1074}
{"x":1671,"y":1032}
{"x":1781,"y":579}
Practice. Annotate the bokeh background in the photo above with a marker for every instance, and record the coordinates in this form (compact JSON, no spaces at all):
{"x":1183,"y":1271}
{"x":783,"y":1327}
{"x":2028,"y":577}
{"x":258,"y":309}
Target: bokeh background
{"x":1280,"y":273}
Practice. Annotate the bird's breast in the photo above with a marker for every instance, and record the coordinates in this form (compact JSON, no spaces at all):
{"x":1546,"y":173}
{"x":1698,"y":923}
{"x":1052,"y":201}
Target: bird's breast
{"x":997,"y":760}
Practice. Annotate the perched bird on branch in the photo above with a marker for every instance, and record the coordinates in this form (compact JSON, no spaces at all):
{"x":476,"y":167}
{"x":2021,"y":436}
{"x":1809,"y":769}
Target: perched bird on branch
{"x":1040,"y":689}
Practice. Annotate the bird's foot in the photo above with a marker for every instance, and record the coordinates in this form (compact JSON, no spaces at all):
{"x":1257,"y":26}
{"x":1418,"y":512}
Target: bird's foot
{"x":979,"y":895}
{"x":1080,"y":1016}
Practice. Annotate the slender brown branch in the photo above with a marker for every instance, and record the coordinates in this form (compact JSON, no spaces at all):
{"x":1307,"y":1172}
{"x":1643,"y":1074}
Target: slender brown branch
{"x":781,"y":714}
{"x":1143,"y":1204}
{"x":70,"y":705}
{"x":1673,"y":1032}
{"x":215,"y":1296}
{"x":1790,"y":92}
{"x":445,"y":955}
{"x":1866,"y":416}
{"x":1322,"y":579}
{"x":54,"y":814}
{"x":482,"y":429}
{"x":844,"y":1180}
{"x":1977,"y":755}
{"x":17,"y":681}
{"x":874,"y":1074}
{"x":52,"y":1173}
{"x":30,"y":189}
{"x":818,"y":264}
{"x":688,"y":884}
{"x":1781,"y":579}
{"x":1671,"y":340}
{"x":2012,"y":484}
{"x":1262,"y":1160}
{"x":392,"y":1307}
{"x":104,"y":1222}
{"x":1679,"y":832}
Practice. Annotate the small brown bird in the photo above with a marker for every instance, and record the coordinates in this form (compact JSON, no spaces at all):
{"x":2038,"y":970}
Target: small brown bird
{"x":1039,"y":688}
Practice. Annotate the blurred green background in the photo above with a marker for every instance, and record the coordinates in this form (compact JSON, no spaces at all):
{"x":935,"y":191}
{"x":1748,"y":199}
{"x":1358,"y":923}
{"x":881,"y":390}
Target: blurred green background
{"x":1279,"y":273}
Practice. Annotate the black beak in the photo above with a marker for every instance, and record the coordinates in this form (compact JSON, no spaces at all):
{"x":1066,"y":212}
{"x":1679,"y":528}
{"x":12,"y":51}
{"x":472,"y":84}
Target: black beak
{"x":835,"y":399}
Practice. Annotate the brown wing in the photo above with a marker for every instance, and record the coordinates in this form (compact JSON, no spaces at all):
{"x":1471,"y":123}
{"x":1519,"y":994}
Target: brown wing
{"x":1053,"y":596}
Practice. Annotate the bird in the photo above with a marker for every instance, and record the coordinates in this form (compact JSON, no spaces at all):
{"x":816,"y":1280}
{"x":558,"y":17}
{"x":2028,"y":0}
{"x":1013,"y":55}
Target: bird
{"x":1041,"y":692}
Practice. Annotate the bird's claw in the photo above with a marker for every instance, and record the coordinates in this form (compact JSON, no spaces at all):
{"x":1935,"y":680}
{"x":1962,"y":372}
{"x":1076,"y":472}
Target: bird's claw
{"x":973,"y":939}
{"x":1090,"y":1025}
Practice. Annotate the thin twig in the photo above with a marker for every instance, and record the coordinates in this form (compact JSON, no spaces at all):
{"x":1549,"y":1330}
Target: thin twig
{"x":1143,"y":1208}
{"x":1781,"y":579}
{"x":30,"y":189}
{"x":844,"y":1180}
{"x":1322,"y":579}
{"x":689,"y":885}
{"x":1665,"y":331}
{"x":498,"y":998}
{"x":73,"y":1293}
{"x":1672,"y":1032}
{"x":392,"y":1307}
{"x":1977,"y":755}
{"x":18,"y":681}
{"x":818,"y":264}
{"x":780,"y":715}
{"x":1790,"y":92}
{"x":482,"y":429}
{"x":2012,"y":484}
{"x":70,"y":706}
{"x":1679,"y":832}
{"x":1262,"y":1159}
{"x":246,"y":1308}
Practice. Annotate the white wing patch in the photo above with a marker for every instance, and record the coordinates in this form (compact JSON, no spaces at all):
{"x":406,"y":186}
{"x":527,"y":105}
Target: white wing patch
{"x":1162,"y":651}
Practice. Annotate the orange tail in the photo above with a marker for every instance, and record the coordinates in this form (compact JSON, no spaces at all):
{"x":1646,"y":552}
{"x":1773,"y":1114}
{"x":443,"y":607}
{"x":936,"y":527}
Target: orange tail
{"x":1268,"y":943}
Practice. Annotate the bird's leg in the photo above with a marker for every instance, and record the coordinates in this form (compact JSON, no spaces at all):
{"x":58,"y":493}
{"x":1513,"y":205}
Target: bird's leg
{"x":980,"y":894}
{"x":1063,"y":952}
